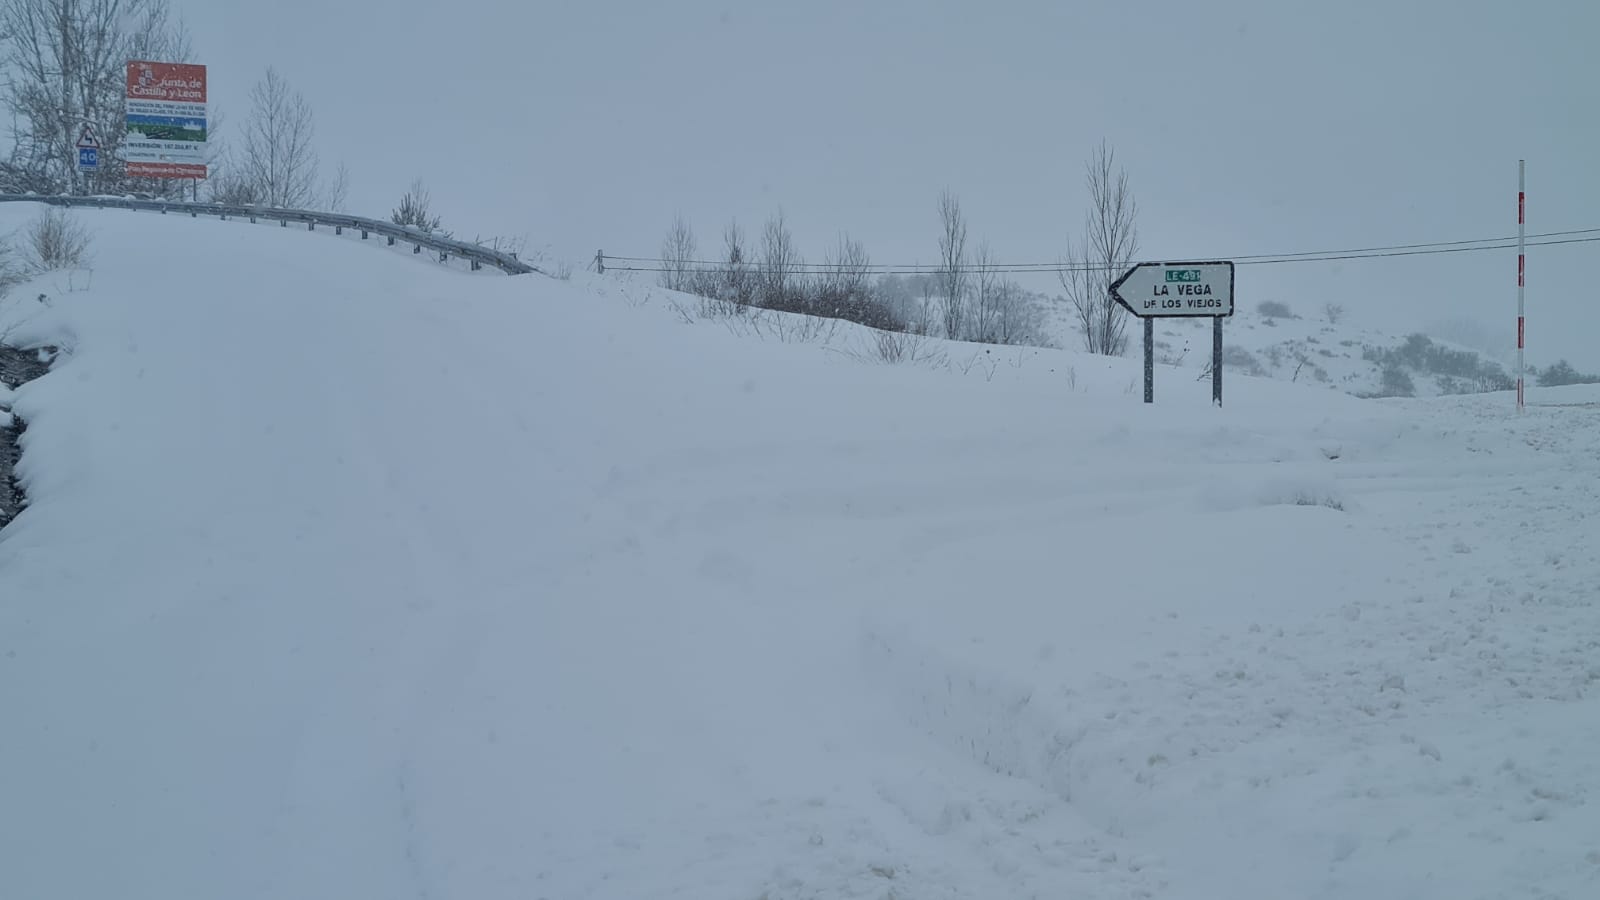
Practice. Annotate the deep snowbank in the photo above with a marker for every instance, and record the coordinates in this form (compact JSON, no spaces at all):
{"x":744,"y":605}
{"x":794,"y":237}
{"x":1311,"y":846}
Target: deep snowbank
{"x":349,"y":576}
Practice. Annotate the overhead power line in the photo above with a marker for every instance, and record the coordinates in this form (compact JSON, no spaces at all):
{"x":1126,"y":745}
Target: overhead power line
{"x":1544,"y":239}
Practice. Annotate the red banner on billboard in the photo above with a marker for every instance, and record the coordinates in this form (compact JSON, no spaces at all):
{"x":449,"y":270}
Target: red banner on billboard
{"x":166,"y":170}
{"x":170,"y":82}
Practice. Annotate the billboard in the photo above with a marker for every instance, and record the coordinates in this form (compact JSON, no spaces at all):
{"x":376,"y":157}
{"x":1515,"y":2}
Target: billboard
{"x":166,"y":120}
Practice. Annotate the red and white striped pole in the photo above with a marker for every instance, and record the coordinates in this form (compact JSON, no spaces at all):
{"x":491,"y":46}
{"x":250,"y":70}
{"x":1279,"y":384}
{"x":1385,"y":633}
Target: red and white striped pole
{"x":1522,"y":268}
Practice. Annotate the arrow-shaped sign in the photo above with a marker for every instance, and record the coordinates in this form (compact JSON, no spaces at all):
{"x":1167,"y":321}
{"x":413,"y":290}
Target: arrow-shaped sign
{"x":1176,"y":289}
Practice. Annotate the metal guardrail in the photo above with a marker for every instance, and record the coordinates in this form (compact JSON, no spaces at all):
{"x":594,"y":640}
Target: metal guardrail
{"x":446,"y":248}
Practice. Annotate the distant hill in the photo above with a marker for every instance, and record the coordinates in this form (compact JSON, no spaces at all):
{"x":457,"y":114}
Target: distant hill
{"x":1305,"y":347}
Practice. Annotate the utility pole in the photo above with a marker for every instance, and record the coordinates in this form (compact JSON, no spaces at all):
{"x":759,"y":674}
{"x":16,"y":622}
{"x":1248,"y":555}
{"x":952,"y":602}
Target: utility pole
{"x":68,"y":118}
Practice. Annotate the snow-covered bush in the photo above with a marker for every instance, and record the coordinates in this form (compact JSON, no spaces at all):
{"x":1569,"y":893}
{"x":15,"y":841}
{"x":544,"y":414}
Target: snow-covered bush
{"x":56,"y":241}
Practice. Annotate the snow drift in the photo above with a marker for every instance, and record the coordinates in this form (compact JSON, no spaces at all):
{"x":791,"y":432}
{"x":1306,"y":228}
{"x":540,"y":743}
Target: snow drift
{"x":353,"y":576}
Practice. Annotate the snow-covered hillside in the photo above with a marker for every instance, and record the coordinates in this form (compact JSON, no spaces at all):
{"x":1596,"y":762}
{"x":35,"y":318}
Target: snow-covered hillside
{"x":1310,"y":347}
{"x":347,"y":575}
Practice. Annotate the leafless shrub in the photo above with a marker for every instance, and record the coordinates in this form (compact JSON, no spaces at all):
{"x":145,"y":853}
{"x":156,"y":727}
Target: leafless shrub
{"x":55,"y":241}
{"x":1274,"y":309}
{"x":513,"y":246}
{"x":843,"y":290}
{"x":738,"y":281}
{"x":339,"y":189}
{"x":677,"y":256}
{"x":896,"y":347}
{"x":717,"y":307}
{"x":684,"y":313}
{"x":793,"y":329}
{"x":984,"y":362}
{"x":14,"y":270}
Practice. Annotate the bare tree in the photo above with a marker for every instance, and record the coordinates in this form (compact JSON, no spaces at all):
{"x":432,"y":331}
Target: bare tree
{"x":227,"y":185}
{"x":65,"y":64}
{"x":677,"y":256}
{"x":1079,"y":282}
{"x":987,"y":296}
{"x":1017,"y":318}
{"x":1111,"y":238}
{"x":416,"y":210}
{"x":1012,"y":324}
{"x":279,"y":161}
{"x":339,"y":189}
{"x":952,"y":266}
{"x":844,"y":288}
{"x":738,"y":281}
{"x":1334,"y":312}
{"x":780,"y":265}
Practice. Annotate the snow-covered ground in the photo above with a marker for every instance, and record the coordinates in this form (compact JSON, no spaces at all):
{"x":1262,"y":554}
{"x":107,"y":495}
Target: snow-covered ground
{"x":352,"y":576}
{"x":1308,"y":347}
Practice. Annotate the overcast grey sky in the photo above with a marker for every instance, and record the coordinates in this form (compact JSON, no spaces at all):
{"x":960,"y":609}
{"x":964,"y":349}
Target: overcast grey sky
{"x":1246,"y":126}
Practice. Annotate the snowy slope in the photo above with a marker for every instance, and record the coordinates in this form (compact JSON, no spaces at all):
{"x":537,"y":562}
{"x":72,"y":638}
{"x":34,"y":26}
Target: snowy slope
{"x":1303,"y":348}
{"x":349,"y":576}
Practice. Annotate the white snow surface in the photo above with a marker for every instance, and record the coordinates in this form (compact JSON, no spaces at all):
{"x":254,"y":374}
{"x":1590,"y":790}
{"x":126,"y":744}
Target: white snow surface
{"x":349,"y":575}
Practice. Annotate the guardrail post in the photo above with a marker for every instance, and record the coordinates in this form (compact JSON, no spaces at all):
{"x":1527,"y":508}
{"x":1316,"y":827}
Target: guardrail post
{"x":416,"y":249}
{"x":338,"y":229}
{"x":391,"y":240}
{"x":600,"y":262}
{"x":363,"y":234}
{"x":475,"y":265}
{"x":283,"y":223}
{"x":311,"y":225}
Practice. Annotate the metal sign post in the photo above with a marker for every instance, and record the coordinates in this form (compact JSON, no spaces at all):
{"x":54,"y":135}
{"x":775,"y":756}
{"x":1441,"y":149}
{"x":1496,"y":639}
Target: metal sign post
{"x":1178,"y":290}
{"x":1522,"y":269}
{"x":1216,"y":360}
{"x":88,"y":148}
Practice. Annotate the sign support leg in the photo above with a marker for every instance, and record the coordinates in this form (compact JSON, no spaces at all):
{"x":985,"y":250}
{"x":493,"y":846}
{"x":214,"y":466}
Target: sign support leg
{"x":1522,"y":187}
{"x":1216,"y":360}
{"x":1149,"y":360}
